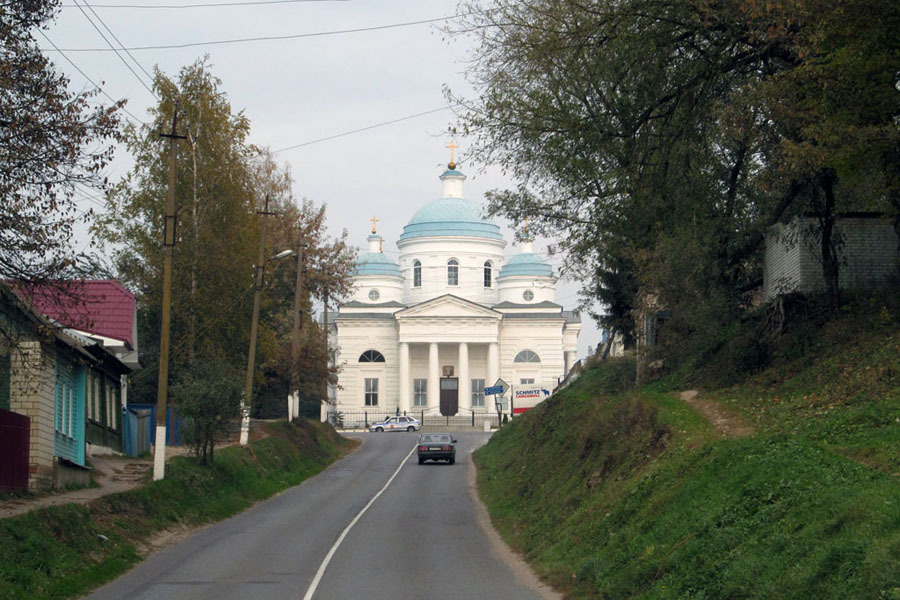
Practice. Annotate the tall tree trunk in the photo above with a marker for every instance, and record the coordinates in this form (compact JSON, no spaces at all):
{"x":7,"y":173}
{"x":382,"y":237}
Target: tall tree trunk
{"x":830,"y":263}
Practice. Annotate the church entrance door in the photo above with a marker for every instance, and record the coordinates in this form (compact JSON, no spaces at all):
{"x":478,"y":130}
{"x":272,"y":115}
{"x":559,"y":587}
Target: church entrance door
{"x":449,"y":396}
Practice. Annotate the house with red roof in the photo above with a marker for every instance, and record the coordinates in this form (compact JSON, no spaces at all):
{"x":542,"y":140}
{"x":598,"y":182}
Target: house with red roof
{"x":65,"y":356}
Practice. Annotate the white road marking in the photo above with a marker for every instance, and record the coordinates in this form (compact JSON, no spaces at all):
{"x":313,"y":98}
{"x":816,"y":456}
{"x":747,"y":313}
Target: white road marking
{"x":315,"y":582}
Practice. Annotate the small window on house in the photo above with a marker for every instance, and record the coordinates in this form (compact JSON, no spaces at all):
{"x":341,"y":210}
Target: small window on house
{"x":526,"y":381}
{"x":374,"y":295}
{"x":371,"y":391}
{"x":417,"y":274}
{"x":528,"y":295}
{"x":453,"y":272}
{"x":371,"y":356}
{"x":487,"y":273}
{"x":527,"y":356}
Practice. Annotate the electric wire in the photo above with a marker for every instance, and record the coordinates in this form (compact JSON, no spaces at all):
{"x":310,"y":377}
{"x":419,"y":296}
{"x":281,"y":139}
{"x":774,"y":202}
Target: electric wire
{"x":209,"y":5}
{"x":367,"y":128}
{"x":91,"y":81}
{"x":110,"y":44}
{"x":269,"y":38}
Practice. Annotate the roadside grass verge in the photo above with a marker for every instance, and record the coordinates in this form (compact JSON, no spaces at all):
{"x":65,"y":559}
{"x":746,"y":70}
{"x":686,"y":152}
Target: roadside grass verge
{"x":618,"y":493}
{"x":62,"y":552}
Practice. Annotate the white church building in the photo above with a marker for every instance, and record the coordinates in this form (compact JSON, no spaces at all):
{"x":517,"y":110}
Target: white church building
{"x":455,"y":315}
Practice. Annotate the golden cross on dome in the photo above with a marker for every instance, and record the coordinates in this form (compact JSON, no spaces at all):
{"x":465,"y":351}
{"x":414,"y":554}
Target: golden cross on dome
{"x":374,"y":220}
{"x":452,"y":145}
{"x":526,"y":226}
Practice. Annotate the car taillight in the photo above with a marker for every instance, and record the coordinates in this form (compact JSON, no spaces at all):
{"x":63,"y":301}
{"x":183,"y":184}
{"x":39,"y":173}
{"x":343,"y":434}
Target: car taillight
{"x":447,"y":448}
{"x":422,"y":448}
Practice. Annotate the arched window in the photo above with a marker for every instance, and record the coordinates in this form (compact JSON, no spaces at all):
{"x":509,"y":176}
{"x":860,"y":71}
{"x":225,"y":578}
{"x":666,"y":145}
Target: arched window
{"x":452,"y":272}
{"x":417,"y":274}
{"x":371,"y":356}
{"x":527,"y":356}
{"x":487,"y":273}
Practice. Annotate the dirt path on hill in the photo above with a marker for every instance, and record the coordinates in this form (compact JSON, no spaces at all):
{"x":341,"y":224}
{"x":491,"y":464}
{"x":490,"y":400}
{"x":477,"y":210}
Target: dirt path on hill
{"x":112,"y":474}
{"x":725,"y":422}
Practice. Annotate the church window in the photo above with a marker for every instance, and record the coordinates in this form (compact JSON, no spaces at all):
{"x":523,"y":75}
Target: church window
{"x":374,"y":295}
{"x":477,"y":393}
{"x":487,"y":273}
{"x":528,"y":295}
{"x":417,"y":274}
{"x":420,"y":392}
{"x":371,"y":391}
{"x":371,"y":356}
{"x":527,"y":356}
{"x":452,"y":272}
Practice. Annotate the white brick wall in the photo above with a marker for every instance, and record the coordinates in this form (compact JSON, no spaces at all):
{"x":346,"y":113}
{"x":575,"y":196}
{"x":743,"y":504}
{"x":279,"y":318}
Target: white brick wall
{"x":868,"y":254}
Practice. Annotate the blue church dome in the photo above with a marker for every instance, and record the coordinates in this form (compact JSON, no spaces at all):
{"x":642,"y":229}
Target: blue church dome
{"x":376,"y":263}
{"x":451,"y":215}
{"x":526,"y":263}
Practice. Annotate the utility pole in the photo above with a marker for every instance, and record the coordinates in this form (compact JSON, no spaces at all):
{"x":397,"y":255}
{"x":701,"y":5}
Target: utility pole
{"x":159,"y":449}
{"x":294,"y":407}
{"x":325,"y":321}
{"x":258,"y":275}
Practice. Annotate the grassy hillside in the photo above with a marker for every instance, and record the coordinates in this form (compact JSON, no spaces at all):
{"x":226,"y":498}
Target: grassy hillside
{"x":64,"y":551}
{"x":618,"y":493}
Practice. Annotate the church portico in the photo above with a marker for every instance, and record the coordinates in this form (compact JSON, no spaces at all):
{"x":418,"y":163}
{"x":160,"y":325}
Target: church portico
{"x":433,"y":362}
{"x":449,"y":318}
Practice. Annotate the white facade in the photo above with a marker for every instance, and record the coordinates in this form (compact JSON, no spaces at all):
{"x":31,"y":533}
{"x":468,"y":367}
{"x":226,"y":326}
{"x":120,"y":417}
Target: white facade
{"x":456,"y":314}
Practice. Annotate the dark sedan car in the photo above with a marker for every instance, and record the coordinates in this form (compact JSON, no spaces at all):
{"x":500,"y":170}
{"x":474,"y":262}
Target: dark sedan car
{"x":436,"y":446}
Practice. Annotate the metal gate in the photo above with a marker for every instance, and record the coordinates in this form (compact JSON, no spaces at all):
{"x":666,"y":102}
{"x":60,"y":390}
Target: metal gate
{"x":15,"y":433}
{"x":449,"y":396}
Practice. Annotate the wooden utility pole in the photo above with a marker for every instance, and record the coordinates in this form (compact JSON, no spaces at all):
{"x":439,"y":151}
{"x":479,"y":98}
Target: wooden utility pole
{"x":159,"y":449}
{"x":294,"y":407}
{"x":325,"y":321}
{"x":258,"y":275}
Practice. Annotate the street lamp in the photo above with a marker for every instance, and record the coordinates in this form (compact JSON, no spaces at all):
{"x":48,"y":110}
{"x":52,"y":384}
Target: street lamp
{"x":259,"y":274}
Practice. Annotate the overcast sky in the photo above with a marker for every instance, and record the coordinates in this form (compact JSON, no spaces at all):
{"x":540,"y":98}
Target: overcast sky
{"x":358,"y":64}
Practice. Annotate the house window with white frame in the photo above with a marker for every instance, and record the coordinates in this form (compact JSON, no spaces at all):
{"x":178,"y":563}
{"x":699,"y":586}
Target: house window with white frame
{"x":526,"y":381}
{"x":420,"y":392}
{"x":371,"y":397}
{"x":477,"y":393}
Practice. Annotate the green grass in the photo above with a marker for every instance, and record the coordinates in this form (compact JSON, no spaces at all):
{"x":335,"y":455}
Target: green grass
{"x":618,"y":493}
{"x":64,"y":551}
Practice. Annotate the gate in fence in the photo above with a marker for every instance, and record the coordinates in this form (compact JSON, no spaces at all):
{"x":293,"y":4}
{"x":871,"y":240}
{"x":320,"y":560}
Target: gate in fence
{"x":15,"y":435}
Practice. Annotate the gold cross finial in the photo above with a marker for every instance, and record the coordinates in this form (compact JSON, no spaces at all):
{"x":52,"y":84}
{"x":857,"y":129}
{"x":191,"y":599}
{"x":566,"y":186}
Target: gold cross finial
{"x":374,"y":220}
{"x":526,"y":226}
{"x":452,"y":145}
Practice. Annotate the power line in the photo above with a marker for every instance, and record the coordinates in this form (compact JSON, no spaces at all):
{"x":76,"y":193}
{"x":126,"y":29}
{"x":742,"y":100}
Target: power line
{"x":105,"y":39}
{"x":337,"y":135}
{"x":210,"y":5}
{"x":91,"y":81}
{"x":268,"y":38}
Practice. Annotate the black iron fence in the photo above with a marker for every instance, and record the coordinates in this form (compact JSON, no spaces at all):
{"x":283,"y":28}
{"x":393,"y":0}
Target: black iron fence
{"x":429,"y":418}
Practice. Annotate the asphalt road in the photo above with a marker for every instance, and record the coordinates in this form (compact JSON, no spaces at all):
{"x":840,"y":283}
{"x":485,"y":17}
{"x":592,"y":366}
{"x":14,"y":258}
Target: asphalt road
{"x":404,"y":530}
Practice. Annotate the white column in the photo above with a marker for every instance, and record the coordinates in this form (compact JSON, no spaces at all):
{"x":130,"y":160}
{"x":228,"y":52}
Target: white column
{"x":465,"y":384}
{"x":404,"y":378}
{"x":434,"y":376}
{"x":493,"y":365}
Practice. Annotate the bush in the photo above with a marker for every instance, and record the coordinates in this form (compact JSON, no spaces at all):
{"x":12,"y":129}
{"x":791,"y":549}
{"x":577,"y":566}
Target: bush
{"x":209,"y":398}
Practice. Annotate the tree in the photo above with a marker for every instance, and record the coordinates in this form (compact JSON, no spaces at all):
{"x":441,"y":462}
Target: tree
{"x":217,"y":225}
{"x":52,"y":142}
{"x":209,"y":399}
{"x":660,"y":140}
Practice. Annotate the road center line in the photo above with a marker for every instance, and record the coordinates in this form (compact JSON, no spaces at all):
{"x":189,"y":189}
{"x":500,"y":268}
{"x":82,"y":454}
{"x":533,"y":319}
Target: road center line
{"x":315,"y":582}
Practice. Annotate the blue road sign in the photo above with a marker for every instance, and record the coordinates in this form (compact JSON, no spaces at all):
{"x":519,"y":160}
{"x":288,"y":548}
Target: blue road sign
{"x":494,"y":390}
